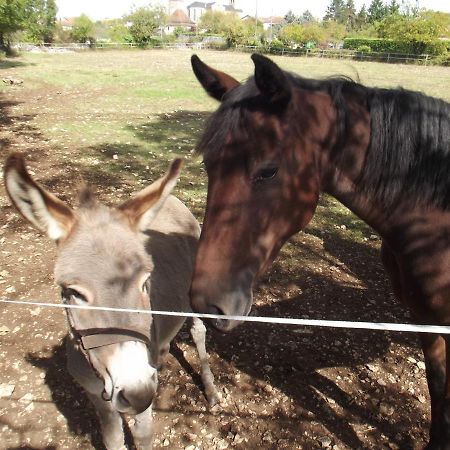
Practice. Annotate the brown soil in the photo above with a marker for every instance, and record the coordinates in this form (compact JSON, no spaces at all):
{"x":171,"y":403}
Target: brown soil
{"x":283,"y":387}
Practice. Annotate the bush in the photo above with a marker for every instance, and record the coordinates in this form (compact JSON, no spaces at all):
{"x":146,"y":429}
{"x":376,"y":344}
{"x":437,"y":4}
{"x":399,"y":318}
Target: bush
{"x":276,"y":45}
{"x":218,"y":45}
{"x":154,"y":41}
{"x":381,"y":45}
{"x":441,"y":60}
{"x":363,"y":49}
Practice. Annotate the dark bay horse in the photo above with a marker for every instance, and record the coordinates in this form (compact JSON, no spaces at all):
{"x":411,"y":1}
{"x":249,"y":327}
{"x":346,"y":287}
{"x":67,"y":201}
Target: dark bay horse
{"x":277,"y":141}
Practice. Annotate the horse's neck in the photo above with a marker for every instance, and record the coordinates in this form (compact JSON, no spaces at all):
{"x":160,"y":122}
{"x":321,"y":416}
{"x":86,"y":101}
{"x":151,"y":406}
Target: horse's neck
{"x":341,"y":172}
{"x":361,"y":203}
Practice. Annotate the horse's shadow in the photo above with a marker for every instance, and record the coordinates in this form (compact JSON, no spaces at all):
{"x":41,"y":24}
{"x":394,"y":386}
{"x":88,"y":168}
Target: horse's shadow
{"x":27,"y":447}
{"x":298,"y":357}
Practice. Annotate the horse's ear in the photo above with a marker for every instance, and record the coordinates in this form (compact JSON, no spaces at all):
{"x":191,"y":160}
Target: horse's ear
{"x":215,"y":83}
{"x":271,"y":80}
{"x":41,"y":208}
{"x":143,"y":207}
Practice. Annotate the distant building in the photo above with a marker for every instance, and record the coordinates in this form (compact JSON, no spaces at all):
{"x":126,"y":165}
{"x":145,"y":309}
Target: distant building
{"x":197,"y":9}
{"x":67,"y":23}
{"x":268,"y":22}
{"x":179,"y":18}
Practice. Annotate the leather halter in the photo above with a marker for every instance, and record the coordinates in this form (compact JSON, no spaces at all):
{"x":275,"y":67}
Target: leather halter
{"x":90,"y":338}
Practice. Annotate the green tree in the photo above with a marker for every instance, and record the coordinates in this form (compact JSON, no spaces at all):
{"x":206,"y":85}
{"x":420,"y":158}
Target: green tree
{"x":243,"y":32}
{"x":377,"y":11}
{"x":307,"y":17}
{"x":12,"y":19}
{"x":336,"y":11}
{"x":216,"y":21}
{"x":117,"y":31}
{"x":60,"y":35}
{"x":420,"y":34}
{"x":334,"y":31}
{"x":441,"y":19}
{"x":394,"y":7}
{"x":362,"y":18}
{"x":313,"y":32}
{"x":145,"y":21}
{"x":232,"y":28}
{"x":291,"y":35}
{"x":350,"y":14}
{"x":290,"y":17}
{"x":40,"y":21}
{"x":82,"y":29}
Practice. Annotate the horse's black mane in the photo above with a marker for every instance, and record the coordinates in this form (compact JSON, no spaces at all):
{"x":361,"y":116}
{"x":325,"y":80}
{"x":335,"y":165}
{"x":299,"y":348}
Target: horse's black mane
{"x":409,"y":149}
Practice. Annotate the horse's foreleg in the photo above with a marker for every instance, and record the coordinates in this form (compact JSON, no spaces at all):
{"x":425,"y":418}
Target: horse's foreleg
{"x":142,"y":430}
{"x":110,"y":422}
{"x":434,"y":353}
{"x":198,"y":333}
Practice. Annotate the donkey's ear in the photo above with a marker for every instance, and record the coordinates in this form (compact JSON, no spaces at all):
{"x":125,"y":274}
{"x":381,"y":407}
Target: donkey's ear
{"x":271,"y":80}
{"x":143,"y":207}
{"x":45,"y":211}
{"x":215,"y":83}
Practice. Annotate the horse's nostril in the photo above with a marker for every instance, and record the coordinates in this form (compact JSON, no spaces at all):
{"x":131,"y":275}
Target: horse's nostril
{"x":211,"y":309}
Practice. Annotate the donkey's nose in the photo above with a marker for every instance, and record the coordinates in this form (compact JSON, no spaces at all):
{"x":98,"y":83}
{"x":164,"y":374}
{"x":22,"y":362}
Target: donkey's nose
{"x":134,"y":401}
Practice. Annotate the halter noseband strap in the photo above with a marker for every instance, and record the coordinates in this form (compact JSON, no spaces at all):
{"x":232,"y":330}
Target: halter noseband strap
{"x":98,"y":337}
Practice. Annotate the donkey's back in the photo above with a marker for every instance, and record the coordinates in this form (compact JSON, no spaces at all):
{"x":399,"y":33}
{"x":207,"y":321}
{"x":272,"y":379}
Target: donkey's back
{"x":171,"y":245}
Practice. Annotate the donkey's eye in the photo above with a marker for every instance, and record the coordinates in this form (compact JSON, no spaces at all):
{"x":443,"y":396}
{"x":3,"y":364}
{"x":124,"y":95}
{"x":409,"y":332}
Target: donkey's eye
{"x":70,"y":295}
{"x":267,"y":173}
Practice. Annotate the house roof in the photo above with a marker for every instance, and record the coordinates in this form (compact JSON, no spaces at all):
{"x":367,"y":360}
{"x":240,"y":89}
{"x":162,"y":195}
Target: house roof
{"x":271,"y":19}
{"x":205,"y":5}
{"x":208,"y":5}
{"x":231,"y":8}
{"x":179,"y":17}
{"x":67,"y":21}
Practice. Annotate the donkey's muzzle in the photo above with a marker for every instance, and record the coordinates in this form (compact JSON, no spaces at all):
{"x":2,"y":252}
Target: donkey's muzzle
{"x":134,"y":400}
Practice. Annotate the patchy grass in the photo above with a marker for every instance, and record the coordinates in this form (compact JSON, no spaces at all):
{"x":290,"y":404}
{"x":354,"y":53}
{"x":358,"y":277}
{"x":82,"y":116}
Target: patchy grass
{"x":122,"y":115}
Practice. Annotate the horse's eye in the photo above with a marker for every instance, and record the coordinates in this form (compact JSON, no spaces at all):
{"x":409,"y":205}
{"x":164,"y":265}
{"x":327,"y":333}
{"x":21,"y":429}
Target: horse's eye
{"x":144,"y":284}
{"x":70,"y":295}
{"x":266,"y":173}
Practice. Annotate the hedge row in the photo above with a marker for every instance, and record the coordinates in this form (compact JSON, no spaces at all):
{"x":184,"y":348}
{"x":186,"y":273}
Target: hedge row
{"x":379,"y":45}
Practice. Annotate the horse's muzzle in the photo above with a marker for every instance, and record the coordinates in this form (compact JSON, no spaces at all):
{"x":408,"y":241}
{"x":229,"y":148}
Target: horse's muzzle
{"x":223,"y":325}
{"x":233,"y":303}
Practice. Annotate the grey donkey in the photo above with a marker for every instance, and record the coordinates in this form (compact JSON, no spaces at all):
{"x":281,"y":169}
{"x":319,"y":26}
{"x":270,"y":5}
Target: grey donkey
{"x":138,"y":255}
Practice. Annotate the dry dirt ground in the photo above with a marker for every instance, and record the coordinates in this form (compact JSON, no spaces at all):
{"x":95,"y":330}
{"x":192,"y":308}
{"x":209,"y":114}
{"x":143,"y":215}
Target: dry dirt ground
{"x":283,"y":387}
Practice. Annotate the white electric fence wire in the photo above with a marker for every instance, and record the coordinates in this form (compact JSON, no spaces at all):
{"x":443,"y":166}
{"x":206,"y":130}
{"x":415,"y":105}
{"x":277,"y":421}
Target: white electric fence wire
{"x":273,"y":320}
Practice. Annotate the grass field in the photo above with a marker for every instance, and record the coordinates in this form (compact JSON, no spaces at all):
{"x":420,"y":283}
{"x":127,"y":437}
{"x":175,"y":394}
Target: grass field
{"x":144,"y":107}
{"x":115,"y":119}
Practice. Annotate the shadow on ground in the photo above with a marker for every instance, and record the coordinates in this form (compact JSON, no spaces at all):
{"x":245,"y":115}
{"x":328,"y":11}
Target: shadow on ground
{"x":11,"y":62}
{"x":67,"y":396}
{"x":290,"y":360}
